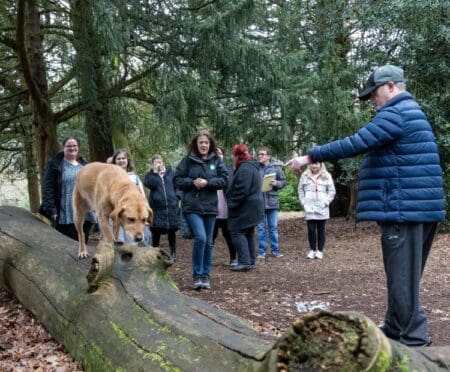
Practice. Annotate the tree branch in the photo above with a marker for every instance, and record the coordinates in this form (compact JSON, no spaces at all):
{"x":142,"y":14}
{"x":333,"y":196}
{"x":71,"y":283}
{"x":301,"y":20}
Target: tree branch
{"x":138,"y":96}
{"x":60,"y":84}
{"x":36,"y":96}
{"x":8,"y":42}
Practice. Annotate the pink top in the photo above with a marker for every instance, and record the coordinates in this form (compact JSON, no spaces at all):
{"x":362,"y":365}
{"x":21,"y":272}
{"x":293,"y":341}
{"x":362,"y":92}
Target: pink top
{"x":222,"y":207}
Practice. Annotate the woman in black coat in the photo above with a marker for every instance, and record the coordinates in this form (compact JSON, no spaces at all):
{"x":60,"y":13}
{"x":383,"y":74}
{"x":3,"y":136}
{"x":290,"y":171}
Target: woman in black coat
{"x":199,"y":175}
{"x":58,"y":183}
{"x":164,"y":203}
{"x":245,"y":206}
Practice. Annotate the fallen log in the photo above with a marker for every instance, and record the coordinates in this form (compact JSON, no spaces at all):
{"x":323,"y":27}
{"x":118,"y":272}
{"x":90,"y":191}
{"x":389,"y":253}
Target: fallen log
{"x":122,"y":311}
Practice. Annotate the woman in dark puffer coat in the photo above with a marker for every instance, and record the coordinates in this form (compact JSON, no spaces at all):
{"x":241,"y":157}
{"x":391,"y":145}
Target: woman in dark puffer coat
{"x":164,"y":203}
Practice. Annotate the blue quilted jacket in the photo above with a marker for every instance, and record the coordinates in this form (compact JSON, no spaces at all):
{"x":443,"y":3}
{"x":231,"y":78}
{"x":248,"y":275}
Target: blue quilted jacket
{"x":400,"y":178}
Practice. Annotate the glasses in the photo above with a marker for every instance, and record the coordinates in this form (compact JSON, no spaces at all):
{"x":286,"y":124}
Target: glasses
{"x":71,"y":146}
{"x":262,"y":154}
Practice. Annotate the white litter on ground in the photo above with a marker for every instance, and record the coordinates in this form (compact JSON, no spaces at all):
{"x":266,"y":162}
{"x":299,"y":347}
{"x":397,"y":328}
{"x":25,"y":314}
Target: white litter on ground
{"x":308,"y":306}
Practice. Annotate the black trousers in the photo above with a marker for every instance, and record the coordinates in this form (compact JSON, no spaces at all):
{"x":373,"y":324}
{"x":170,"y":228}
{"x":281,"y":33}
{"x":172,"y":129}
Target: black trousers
{"x":223,"y":225}
{"x":316,"y":234}
{"x":406,"y":248}
{"x":244,"y":241}
{"x":171,"y":236}
{"x":70,"y":230}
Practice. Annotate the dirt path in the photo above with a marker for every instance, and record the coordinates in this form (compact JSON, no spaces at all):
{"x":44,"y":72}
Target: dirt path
{"x":350,"y":277}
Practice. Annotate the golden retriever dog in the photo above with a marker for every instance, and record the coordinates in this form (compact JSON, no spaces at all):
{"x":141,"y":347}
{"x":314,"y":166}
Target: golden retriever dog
{"x":106,"y":189}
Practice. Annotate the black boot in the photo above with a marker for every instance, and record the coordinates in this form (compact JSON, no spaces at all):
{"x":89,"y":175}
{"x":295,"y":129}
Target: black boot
{"x":173,"y":254}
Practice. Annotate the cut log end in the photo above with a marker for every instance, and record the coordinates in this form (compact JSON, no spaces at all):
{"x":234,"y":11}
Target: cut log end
{"x":332,"y":342}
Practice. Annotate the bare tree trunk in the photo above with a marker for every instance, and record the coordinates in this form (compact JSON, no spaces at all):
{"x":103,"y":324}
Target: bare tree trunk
{"x":90,"y":76}
{"x":32,"y":169}
{"x":132,"y":317}
{"x":353,"y":193}
{"x":29,"y":40}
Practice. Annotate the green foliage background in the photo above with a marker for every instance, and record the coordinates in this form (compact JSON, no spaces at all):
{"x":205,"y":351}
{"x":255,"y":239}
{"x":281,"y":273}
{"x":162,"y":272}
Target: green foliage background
{"x":288,"y":195}
{"x":283,"y":74}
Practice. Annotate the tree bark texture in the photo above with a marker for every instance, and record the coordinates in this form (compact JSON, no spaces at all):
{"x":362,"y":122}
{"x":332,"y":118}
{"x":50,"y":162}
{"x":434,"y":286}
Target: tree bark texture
{"x":92,"y":80}
{"x":29,"y":40}
{"x":132,"y":317}
{"x":32,"y":168}
{"x":136,"y":320}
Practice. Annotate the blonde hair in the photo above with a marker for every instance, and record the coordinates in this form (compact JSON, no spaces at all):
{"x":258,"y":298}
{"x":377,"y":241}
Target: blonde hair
{"x":323,"y":173}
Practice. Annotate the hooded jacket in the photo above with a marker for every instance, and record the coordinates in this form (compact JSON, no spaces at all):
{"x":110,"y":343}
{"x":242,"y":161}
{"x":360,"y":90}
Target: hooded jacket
{"x":400,"y":178}
{"x":316,"y":192}
{"x":162,"y":199}
{"x":200,"y":201}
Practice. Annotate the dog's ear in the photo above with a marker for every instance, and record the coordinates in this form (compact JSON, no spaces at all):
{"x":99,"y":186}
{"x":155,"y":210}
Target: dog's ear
{"x":115,"y":215}
{"x":150,"y":216}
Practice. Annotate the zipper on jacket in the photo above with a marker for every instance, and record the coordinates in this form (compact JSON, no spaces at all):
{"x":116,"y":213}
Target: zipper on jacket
{"x":165,"y":198}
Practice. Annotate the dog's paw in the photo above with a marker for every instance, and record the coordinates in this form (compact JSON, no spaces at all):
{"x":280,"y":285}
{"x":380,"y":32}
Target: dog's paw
{"x":82,"y":255}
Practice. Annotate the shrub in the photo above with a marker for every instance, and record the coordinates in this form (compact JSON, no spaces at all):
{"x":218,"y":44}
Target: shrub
{"x":289,"y":195}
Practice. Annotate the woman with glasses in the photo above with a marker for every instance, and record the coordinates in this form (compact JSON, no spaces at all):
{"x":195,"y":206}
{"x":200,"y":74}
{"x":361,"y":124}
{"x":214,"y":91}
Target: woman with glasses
{"x":59,"y":181}
{"x":268,"y":167}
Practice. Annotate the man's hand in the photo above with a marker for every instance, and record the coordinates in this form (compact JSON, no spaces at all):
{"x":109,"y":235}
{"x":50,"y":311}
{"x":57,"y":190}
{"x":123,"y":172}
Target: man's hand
{"x":298,"y":162}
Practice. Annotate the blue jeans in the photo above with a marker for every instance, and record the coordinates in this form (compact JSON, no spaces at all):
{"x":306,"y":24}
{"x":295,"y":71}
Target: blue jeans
{"x":202,"y":227}
{"x":271,"y":216}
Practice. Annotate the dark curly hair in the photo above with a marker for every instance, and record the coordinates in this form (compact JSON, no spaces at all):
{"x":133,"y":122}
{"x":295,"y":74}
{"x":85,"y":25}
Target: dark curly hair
{"x":193,"y":149}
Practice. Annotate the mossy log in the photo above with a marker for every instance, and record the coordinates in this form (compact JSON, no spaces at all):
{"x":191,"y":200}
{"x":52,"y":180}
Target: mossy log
{"x":121,"y":311}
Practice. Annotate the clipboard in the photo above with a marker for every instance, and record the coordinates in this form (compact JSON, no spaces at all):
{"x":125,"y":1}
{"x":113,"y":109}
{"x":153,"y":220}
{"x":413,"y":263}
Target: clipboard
{"x":268,"y":178}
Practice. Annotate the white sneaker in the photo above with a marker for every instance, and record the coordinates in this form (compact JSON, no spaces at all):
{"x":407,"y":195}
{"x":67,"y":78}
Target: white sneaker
{"x":311,"y":254}
{"x":319,"y":255}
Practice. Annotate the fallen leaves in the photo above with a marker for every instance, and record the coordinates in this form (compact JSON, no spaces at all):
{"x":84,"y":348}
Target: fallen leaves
{"x":25,"y":345}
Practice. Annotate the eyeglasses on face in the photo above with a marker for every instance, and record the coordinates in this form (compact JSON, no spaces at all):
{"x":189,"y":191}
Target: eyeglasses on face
{"x":262,"y":154}
{"x":70,"y":146}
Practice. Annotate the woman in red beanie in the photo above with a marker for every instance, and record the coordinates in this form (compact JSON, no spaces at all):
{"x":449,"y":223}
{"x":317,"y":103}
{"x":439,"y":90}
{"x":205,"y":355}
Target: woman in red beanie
{"x":245,"y":206}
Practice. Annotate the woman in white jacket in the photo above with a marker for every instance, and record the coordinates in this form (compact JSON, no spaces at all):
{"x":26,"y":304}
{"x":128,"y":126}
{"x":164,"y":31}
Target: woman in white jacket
{"x":316,"y":191}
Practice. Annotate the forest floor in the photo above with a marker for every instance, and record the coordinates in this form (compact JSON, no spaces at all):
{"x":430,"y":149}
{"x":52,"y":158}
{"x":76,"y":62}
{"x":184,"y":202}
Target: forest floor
{"x":349,"y":277}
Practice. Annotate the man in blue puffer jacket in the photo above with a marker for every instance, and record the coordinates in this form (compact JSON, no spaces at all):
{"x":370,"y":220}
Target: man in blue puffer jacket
{"x":401,"y":188}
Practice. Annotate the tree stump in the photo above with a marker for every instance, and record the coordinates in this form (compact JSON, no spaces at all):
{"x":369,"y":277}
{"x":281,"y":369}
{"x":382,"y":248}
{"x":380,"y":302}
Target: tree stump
{"x":122,"y":311}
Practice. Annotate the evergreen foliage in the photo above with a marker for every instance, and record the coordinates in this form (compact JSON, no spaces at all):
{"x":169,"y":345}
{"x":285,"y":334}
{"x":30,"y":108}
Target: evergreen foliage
{"x":285,"y":74}
{"x":289,"y":200}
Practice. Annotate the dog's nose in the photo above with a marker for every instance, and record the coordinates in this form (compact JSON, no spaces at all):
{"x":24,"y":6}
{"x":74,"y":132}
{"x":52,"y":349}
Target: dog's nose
{"x":138,"y":237}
